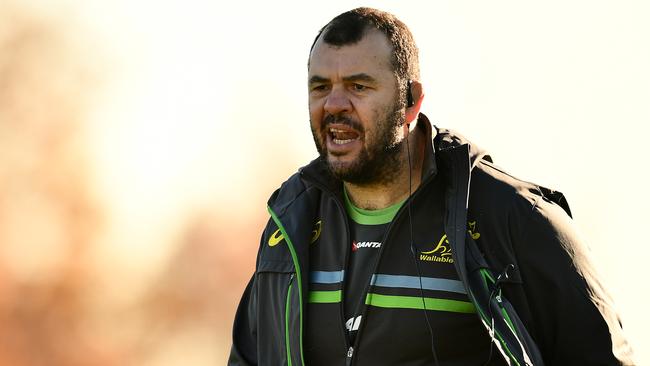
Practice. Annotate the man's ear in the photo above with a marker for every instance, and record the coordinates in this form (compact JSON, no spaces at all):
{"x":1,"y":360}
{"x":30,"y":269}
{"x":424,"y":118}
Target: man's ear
{"x":417,"y":95}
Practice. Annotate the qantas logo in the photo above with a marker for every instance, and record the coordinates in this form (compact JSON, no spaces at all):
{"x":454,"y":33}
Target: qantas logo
{"x":365,"y":244}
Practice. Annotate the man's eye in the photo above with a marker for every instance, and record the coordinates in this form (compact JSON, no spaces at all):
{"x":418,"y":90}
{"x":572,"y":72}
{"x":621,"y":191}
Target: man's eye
{"x":319,"y":88}
{"x":358,"y":87}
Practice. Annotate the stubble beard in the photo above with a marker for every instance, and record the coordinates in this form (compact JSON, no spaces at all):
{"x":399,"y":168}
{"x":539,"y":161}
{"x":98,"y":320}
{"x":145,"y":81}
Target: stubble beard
{"x":378,"y":162}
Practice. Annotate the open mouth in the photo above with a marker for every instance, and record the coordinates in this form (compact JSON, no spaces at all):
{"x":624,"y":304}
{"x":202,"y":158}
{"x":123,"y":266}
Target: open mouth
{"x":341,"y":136}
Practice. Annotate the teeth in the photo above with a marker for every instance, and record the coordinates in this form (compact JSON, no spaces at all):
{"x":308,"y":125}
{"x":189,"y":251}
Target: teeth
{"x":338,"y":141}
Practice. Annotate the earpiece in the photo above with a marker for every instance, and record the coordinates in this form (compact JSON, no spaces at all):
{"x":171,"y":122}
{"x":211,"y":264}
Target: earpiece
{"x":409,"y":95}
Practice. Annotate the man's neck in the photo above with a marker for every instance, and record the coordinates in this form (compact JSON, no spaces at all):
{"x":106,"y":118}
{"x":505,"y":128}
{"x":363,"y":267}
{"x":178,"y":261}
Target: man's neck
{"x":382,"y":195}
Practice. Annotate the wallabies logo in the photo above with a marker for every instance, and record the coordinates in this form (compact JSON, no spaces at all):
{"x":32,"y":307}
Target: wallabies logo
{"x":442,"y":251}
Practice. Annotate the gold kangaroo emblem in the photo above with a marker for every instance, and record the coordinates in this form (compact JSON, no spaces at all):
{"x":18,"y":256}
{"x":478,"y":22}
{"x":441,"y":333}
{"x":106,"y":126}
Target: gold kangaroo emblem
{"x":443,"y":247}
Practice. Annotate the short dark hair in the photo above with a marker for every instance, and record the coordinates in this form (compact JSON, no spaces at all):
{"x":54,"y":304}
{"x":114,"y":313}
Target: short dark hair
{"x":349,"y":28}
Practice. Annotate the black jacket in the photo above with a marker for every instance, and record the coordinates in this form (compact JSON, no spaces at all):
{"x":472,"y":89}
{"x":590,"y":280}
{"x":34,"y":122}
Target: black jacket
{"x":528,"y":275}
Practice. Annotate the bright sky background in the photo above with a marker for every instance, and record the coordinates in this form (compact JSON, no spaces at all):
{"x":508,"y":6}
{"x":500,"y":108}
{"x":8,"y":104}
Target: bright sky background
{"x":205,"y":106}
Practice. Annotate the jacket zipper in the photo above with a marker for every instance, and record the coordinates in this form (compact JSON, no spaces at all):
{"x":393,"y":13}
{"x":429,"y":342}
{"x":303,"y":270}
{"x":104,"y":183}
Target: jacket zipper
{"x":348,"y":357}
{"x":350,"y":347}
{"x":287,"y":314}
{"x":346,"y":333}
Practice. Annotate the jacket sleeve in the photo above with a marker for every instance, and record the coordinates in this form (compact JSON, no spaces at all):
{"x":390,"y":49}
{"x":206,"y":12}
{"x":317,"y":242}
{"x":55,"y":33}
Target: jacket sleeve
{"x":244,"y":347}
{"x":575,"y":322}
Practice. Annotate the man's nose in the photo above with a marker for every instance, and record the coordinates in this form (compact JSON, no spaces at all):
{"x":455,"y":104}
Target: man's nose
{"x":337,"y":102}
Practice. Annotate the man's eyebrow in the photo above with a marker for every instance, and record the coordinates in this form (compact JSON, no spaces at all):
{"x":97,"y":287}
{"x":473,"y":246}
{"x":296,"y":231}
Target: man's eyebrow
{"x":351,"y":78}
{"x":318,"y":79}
{"x":360,"y":77}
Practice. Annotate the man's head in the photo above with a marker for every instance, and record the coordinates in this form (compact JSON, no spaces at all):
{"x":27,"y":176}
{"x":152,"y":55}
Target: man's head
{"x":359,"y":67}
{"x":349,"y":28}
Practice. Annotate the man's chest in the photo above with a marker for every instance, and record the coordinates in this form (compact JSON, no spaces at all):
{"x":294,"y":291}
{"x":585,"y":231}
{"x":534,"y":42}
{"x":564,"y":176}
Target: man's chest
{"x":387,"y":292}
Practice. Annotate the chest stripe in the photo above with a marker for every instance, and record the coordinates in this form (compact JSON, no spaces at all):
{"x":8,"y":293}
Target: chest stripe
{"x":325,"y":297}
{"x":414,"y":302}
{"x":428,"y":283}
{"x":326,"y":276}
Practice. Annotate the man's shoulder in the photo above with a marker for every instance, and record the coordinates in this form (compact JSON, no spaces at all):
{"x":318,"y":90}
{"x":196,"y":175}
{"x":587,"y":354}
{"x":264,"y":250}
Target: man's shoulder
{"x":503,"y":198}
{"x":487,"y":175}
{"x":491,"y":186}
{"x":496,"y":185}
{"x":291,"y":188}
{"x":488,"y":181}
{"x":292,"y":208}
{"x":274,"y":254}
{"x":307,"y":183}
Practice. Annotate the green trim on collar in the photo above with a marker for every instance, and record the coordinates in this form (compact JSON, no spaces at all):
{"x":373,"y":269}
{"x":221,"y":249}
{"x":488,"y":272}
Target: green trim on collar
{"x":371,"y":217}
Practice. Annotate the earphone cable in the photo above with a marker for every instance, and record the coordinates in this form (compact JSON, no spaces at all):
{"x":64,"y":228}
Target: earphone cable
{"x":414,"y":253}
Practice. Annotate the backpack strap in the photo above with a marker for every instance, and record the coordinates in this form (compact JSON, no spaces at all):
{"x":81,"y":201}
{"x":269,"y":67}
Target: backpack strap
{"x":497,"y":314}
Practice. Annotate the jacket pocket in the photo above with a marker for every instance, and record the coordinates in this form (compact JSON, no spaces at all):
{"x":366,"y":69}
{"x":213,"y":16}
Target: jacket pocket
{"x":277,"y":313}
{"x":287,"y":320}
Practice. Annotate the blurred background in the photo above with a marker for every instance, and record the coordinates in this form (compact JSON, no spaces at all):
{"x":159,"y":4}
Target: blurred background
{"x":139,"y":141}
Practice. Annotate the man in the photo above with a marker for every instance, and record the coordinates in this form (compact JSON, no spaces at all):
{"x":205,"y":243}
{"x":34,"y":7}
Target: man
{"x":402,"y":244}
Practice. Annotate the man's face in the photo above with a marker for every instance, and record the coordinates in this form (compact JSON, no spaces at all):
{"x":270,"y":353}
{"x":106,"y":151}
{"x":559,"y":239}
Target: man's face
{"x":354,"y":109}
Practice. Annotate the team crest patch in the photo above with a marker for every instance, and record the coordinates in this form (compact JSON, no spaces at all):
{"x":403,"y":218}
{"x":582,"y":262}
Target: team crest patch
{"x":471,"y":228}
{"x":441,"y":251}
